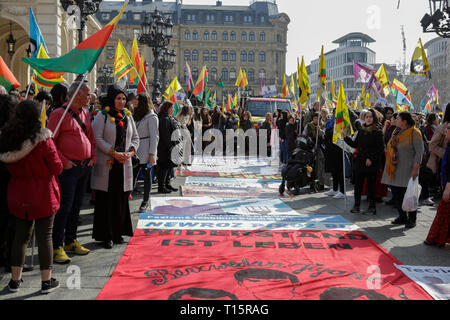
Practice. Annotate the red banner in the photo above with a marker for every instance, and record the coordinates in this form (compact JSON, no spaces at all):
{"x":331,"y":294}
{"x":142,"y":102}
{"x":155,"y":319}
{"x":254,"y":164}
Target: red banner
{"x":257,"y":265}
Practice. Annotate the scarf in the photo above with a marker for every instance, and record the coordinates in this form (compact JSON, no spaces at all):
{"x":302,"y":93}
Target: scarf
{"x":398,"y":137}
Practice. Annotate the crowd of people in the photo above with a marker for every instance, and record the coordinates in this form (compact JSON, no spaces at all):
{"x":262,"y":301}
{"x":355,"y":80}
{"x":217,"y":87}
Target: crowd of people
{"x":106,"y":141}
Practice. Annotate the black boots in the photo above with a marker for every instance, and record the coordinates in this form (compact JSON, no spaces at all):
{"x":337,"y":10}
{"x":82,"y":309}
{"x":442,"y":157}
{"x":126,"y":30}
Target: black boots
{"x":356,"y":209}
{"x":412,"y":217}
{"x":372,"y":208}
{"x":402,"y":219}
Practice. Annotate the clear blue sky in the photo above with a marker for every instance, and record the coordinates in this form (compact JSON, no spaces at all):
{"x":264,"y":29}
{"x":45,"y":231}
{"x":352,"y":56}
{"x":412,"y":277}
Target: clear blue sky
{"x":318,"y":22}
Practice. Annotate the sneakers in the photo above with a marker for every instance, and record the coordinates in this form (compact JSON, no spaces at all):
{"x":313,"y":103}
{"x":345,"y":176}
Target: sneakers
{"x":14,"y":285}
{"x":60,"y":256}
{"x":76,"y":248}
{"x":145,"y":206}
{"x":428,"y":202}
{"x":339,"y":195}
{"x":49,"y":286}
{"x":331,"y":193}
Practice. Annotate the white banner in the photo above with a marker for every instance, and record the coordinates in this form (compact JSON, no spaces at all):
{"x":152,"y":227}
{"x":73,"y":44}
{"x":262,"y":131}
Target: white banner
{"x":434,"y":280}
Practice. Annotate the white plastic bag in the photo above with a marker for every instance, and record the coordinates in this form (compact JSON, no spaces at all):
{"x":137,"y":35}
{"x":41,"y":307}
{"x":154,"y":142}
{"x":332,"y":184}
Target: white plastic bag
{"x":411,"y":199}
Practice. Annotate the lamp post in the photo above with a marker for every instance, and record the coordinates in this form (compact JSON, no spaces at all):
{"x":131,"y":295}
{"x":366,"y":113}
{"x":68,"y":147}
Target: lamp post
{"x":167,"y":62}
{"x":438,"y":20}
{"x":157,"y":33}
{"x":11,"y":42}
{"x":105,"y":77}
{"x":81,"y":9}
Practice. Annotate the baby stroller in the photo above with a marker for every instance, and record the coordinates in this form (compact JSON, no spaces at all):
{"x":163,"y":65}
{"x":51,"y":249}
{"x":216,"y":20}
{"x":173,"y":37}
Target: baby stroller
{"x":298,"y":172}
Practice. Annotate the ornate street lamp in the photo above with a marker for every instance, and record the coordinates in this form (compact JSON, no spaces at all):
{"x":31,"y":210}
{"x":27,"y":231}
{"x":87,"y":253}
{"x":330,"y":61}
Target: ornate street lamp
{"x":157,"y":33}
{"x":81,"y":9}
{"x":105,"y":77}
{"x":167,"y":62}
{"x":11,"y":42}
{"x":438,"y":20}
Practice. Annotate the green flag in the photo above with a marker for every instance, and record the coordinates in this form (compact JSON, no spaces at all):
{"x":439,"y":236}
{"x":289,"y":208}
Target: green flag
{"x":220,"y":84}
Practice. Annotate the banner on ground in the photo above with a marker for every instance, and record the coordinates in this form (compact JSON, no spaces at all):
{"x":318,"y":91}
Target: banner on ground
{"x":241,"y":222}
{"x":232,"y":183}
{"x":235,"y":165}
{"x":257,"y":265}
{"x":435,"y":280}
{"x":183,"y":174}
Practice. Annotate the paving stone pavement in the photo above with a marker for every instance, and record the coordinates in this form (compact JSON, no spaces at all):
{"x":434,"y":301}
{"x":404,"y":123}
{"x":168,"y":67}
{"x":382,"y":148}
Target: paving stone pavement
{"x":96,"y":268}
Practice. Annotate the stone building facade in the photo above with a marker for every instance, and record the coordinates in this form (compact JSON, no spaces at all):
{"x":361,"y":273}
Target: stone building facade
{"x":56,"y":30}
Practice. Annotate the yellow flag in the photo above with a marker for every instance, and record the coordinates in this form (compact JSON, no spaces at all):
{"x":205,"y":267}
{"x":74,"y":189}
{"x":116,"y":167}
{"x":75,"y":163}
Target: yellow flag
{"x":122,"y":62}
{"x":43,"y":115}
{"x":366,"y":100}
{"x":303,"y":82}
{"x":323,"y":71}
{"x":382,"y":77}
{"x":292,"y":86}
{"x":342,"y":116}
{"x":235,"y":101}
{"x":244,"y":76}
{"x":223,"y":104}
{"x":239,"y":80}
{"x":135,"y":58}
{"x":419,"y":62}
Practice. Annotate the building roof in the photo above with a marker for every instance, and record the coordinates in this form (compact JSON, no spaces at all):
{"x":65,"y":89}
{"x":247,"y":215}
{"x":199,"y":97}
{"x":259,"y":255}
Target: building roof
{"x":355,"y":35}
{"x":432,"y":41}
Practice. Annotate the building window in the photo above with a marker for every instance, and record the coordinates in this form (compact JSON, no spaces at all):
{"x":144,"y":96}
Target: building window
{"x":251,"y":74}
{"x":195,"y":35}
{"x":206,"y":36}
{"x":276,"y":58}
{"x":213,"y":55}
{"x":229,"y":18}
{"x":210,"y":18}
{"x":233,"y":36}
{"x":225,"y":36}
{"x":195,"y":73}
{"x":206,"y":55}
{"x":225,"y":74}
{"x":225,"y":56}
{"x":243,"y":56}
{"x":105,"y":16}
{"x":214,"y":35}
{"x":190,"y":17}
{"x":187,"y":55}
{"x":251,"y":56}
{"x":262,"y":56}
{"x":252,"y":36}
{"x":187,"y":35}
{"x":248,"y":19}
{"x":232,"y":55}
{"x":262,"y":36}
{"x":278,"y":38}
{"x":263,"y":19}
{"x":137,"y":16}
{"x":244,"y":36}
{"x":262,"y":73}
{"x":213,"y":74}
{"x":110,"y":52}
{"x":232,"y":74}
{"x":194,"y":55}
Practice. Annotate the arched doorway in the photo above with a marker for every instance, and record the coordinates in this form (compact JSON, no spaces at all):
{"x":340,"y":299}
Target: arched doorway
{"x":14,"y":62}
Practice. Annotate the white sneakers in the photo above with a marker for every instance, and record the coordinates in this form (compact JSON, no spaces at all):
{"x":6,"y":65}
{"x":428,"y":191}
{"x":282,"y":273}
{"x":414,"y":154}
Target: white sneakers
{"x":335,"y":194}
{"x":339,"y":195}
{"x":331,"y":193}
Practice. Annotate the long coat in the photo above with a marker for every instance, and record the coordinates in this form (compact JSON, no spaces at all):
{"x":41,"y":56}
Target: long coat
{"x":370,"y":145}
{"x":148,"y":130}
{"x":33,"y":190}
{"x":105,"y":139}
{"x":167,"y":125}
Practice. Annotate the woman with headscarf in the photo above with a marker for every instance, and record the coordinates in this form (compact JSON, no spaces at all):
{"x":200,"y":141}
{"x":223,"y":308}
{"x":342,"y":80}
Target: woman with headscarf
{"x":116,"y":142}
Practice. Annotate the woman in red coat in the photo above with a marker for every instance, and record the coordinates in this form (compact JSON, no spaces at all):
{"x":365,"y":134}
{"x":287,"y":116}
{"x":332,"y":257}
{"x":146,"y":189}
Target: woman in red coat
{"x":33,"y":191}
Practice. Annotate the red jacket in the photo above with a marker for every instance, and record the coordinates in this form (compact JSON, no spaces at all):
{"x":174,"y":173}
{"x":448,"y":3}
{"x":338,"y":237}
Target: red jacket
{"x":33,"y":190}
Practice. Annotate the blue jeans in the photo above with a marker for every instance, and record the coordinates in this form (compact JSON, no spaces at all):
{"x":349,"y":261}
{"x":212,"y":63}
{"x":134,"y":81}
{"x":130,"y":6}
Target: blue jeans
{"x":73,"y":186}
{"x":284,"y":153}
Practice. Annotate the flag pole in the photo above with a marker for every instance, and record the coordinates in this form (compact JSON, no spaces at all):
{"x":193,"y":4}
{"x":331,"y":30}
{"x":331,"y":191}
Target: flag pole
{"x":140,"y":80}
{"x":70,"y":103}
{"x":343,"y":174}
